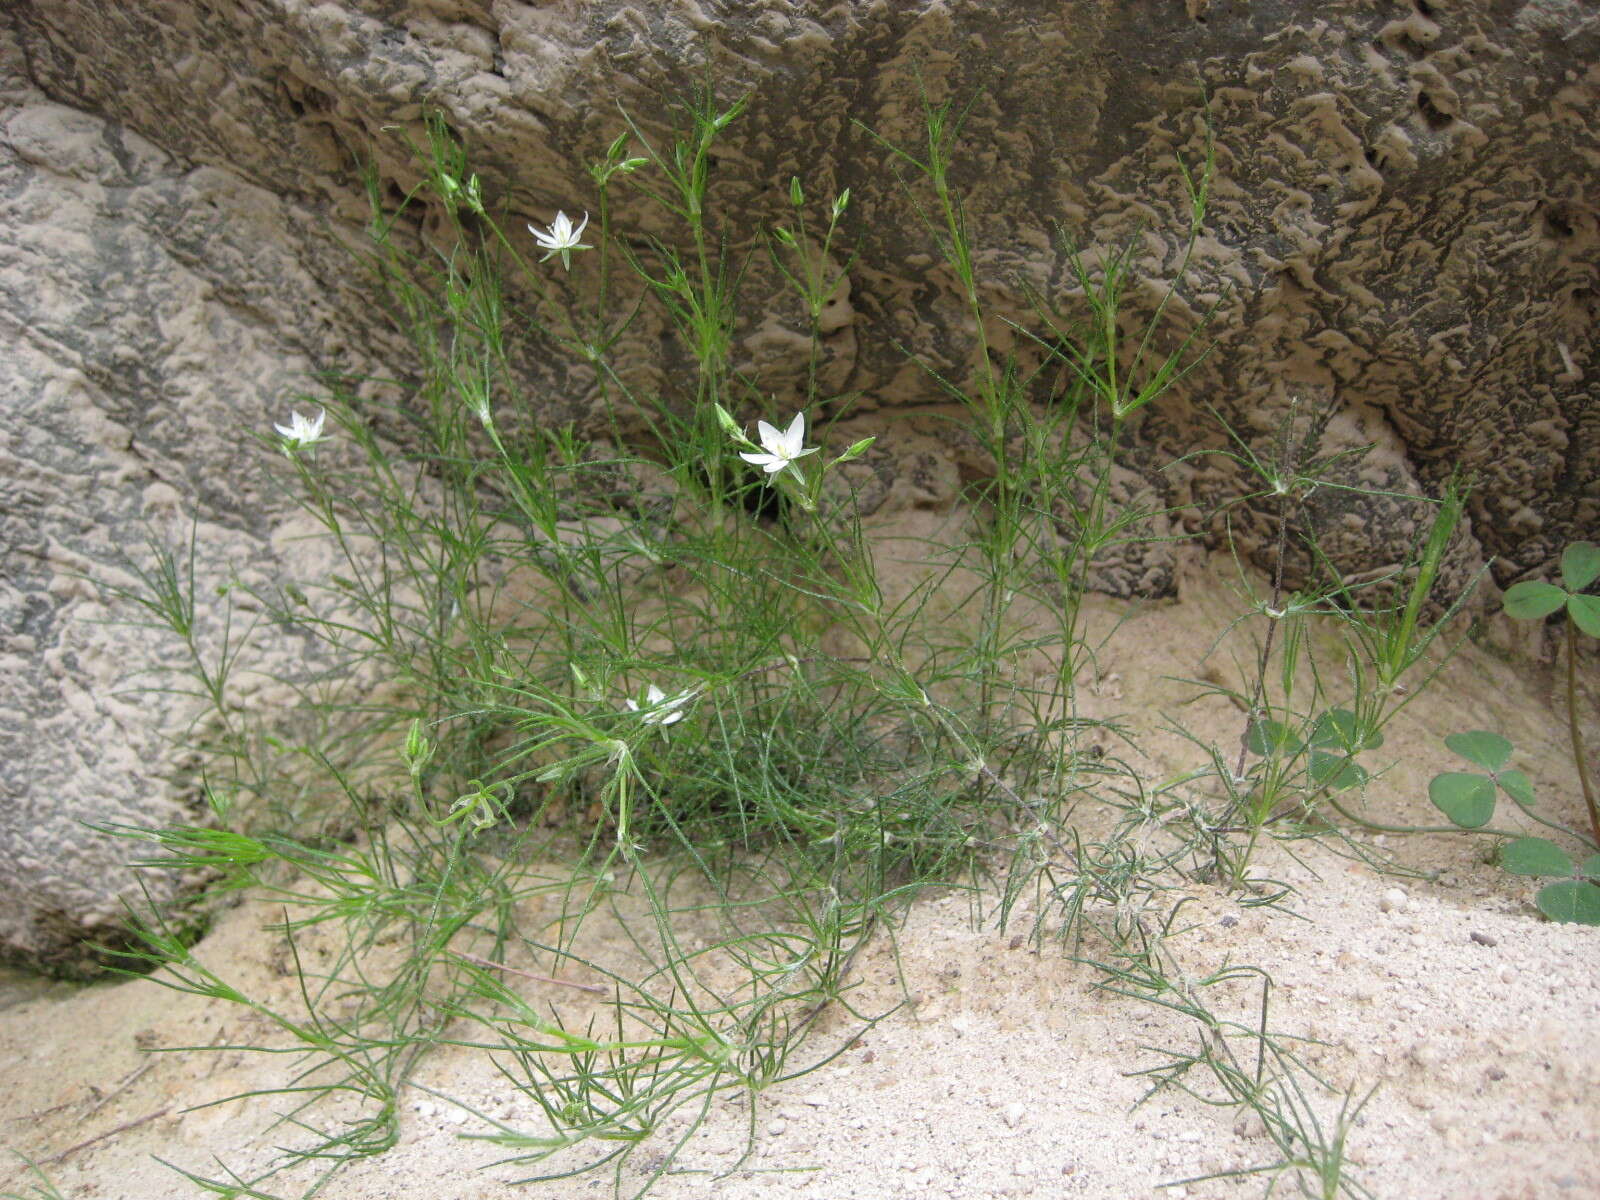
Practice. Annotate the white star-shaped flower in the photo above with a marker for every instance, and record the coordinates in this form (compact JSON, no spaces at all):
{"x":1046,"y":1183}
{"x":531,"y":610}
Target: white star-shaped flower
{"x":782,"y":448}
{"x":561,"y":238}
{"x":301,"y":431}
{"x":657,"y":709}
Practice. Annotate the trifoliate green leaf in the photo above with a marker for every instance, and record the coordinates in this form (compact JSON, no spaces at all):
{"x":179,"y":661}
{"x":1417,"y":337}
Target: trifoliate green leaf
{"x":1466,"y":799}
{"x":1532,"y":600}
{"x":1342,"y":728}
{"x":1272,"y":737}
{"x":1535,"y":856}
{"x":1517,"y":786}
{"x":1573,"y":901}
{"x":1488,"y":750}
{"x":1335,"y":771}
{"x":1584,"y":612}
{"x":1580,"y":565}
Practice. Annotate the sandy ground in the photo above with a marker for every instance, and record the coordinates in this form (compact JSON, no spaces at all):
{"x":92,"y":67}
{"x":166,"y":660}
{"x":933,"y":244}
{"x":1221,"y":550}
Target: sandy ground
{"x":1004,"y":1071}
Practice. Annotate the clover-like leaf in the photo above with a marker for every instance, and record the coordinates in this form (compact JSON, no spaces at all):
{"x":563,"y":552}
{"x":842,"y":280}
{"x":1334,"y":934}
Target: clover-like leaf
{"x":1342,"y":728}
{"x":1271,"y":737}
{"x":1518,"y":786}
{"x":1535,"y":856}
{"x":1466,"y":799}
{"x":1584,"y":612}
{"x":1590,"y":867}
{"x":1573,"y":901}
{"x":1336,"y":771}
{"x":1487,"y":750}
{"x":1533,"y":599}
{"x":1580,"y":565}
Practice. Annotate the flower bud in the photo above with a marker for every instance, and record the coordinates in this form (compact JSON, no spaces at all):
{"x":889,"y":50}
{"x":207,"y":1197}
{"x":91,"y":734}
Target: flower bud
{"x":729,"y":425}
{"x":855,"y":451}
{"x":418,"y":752}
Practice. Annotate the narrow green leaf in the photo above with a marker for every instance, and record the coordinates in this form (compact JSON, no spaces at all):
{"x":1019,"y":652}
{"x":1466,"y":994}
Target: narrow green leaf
{"x":1468,"y":800}
{"x":1487,"y":750}
{"x":1580,"y":565}
{"x":1573,"y":901}
{"x":1532,"y":599}
{"x":1584,"y":612}
{"x":1535,"y":856}
{"x":1518,"y":786}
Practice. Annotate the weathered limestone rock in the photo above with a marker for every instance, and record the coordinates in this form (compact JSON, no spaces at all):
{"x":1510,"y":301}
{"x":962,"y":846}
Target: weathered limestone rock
{"x":1403,"y":229}
{"x":131,"y":387}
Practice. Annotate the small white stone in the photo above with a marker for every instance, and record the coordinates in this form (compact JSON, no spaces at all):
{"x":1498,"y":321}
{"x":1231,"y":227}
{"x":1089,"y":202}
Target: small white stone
{"x":1014,"y":1113}
{"x":456,"y":1116}
{"x":1393,"y":900}
{"x":777,"y":1127}
{"x":815,"y":1100}
{"x":1426,"y":1055}
{"x":424,"y":1108}
{"x":1506,"y":973}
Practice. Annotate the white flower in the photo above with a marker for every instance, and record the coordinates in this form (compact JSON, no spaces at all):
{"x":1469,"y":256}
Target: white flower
{"x":561,"y":238}
{"x":303,"y":431}
{"x":658,"y":710}
{"x":781,"y":448}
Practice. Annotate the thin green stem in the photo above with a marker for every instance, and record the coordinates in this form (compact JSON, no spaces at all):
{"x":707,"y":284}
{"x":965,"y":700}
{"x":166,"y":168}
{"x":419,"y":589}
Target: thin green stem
{"x":1579,"y":755}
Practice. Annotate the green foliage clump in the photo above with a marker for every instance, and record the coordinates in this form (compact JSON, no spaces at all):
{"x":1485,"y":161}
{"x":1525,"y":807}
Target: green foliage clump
{"x":1468,"y":797}
{"x":665,"y":654}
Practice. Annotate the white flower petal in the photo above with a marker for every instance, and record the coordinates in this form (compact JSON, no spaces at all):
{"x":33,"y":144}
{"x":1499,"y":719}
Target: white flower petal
{"x":302,"y":430}
{"x":795,"y":434}
{"x":657,"y":708}
{"x":560,"y":235}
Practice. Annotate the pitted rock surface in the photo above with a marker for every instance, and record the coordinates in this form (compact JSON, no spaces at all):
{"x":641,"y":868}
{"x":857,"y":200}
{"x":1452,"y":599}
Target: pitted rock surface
{"x":1403,"y":240}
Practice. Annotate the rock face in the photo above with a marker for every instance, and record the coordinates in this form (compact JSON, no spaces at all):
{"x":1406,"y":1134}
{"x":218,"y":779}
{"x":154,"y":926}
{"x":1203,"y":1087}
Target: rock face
{"x":1403,"y":233}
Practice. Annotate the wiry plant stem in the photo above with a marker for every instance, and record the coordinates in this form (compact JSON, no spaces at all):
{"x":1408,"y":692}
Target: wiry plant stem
{"x":1285,"y":465}
{"x":1578,"y":753}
